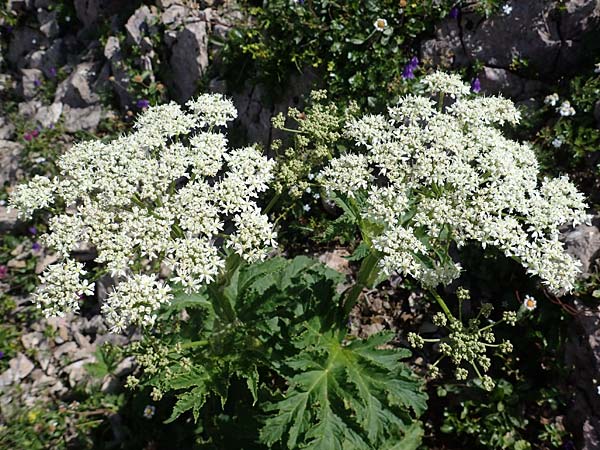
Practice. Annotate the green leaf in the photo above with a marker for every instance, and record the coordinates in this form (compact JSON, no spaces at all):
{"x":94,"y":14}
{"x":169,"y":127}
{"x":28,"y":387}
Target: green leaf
{"x":411,"y":440}
{"x":345,"y":396}
{"x":193,"y":400}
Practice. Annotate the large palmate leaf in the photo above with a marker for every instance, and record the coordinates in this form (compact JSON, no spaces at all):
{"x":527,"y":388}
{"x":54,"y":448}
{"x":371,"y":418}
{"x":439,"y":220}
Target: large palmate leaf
{"x":346,"y":396}
{"x":242,"y":326}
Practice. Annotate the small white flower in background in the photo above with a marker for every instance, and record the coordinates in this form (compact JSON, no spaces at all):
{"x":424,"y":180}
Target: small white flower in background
{"x":529,"y":303}
{"x":68,"y":18}
{"x":311,"y":176}
{"x":149,"y":411}
{"x":2,"y":202}
{"x":34,"y":41}
{"x":306,"y":208}
{"x":597,"y":68}
{"x":380,"y":24}
{"x":598,"y":390}
{"x":565,"y":109}
{"x":507,"y":9}
{"x":551,"y":99}
{"x":556,"y":142}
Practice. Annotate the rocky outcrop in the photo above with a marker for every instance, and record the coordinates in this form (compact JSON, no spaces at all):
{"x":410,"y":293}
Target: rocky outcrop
{"x":189,"y":59}
{"x":538,"y":40}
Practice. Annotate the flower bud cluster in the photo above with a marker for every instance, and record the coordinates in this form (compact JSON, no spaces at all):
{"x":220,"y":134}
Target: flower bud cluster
{"x":457,"y":179}
{"x":467,"y":345}
{"x":165,"y":193}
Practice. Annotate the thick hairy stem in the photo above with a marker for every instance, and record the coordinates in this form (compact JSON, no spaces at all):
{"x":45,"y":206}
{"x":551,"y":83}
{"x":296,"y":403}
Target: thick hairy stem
{"x":366,"y":277}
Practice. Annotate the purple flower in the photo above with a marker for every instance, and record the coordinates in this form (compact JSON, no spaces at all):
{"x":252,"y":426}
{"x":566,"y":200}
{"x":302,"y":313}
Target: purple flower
{"x":407,"y":73}
{"x":35,"y":133}
{"x":37,"y":83}
{"x":142,"y":103}
{"x":454,"y":12}
{"x":52,"y":72}
{"x":36,"y":247}
{"x":27,"y":136}
{"x":1,"y":354}
{"x":32,"y":230}
{"x":476,"y":85}
{"x":3,"y":271}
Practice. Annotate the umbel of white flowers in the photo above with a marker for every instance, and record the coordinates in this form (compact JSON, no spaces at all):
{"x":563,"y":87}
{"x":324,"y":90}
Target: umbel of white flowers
{"x":162,"y":195}
{"x":437,"y":172}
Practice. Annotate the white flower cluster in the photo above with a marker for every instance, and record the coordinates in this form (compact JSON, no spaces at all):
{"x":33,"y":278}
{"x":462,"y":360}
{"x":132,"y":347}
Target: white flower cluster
{"x":62,"y":288}
{"x":170,"y":192}
{"x":441,"y":175}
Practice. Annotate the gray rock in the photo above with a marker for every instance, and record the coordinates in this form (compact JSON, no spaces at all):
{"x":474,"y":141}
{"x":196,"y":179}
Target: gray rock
{"x":125,"y":367}
{"x":21,"y":366}
{"x":139,"y":24}
{"x":90,"y":12}
{"x":583,"y":243}
{"x":76,"y":90}
{"x":189,"y":60}
{"x":7,"y":129}
{"x":76,"y":119}
{"x":23,"y":41}
{"x":120,"y":79}
{"x":29,"y":109}
{"x":10,"y":155}
{"x":49,"y":115}
{"x":167,"y":3}
{"x":551,"y":37}
{"x":68,"y":348}
{"x":77,"y":371}
{"x":32,"y":340}
{"x":591,"y":434}
{"x":48,"y":23}
{"x":82,"y":341}
{"x":19,"y":5}
{"x":31,"y":80}
{"x":174,"y":15}
{"x":49,"y":60}
{"x":501,"y":81}
{"x":582,"y":357}
{"x":94,"y":326}
{"x":110,"y":384}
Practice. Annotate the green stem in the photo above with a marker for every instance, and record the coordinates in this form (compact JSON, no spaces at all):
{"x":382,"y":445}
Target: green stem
{"x":442,"y":303}
{"x":194,"y":344}
{"x":487,"y":327}
{"x":365,"y":278}
{"x":272,"y":203}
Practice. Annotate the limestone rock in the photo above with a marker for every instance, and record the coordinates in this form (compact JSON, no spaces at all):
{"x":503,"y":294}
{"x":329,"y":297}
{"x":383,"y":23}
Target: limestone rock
{"x":139,"y":24}
{"x":583,"y":243}
{"x":49,"y":115}
{"x":81,"y":118}
{"x":76,"y":90}
{"x":7,"y":129}
{"x":22,"y":41}
{"x":552,"y":37}
{"x":120,"y":79}
{"x":10,"y":155}
{"x":189,"y":60}
{"x":90,"y":12}
{"x":31,"y":80}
